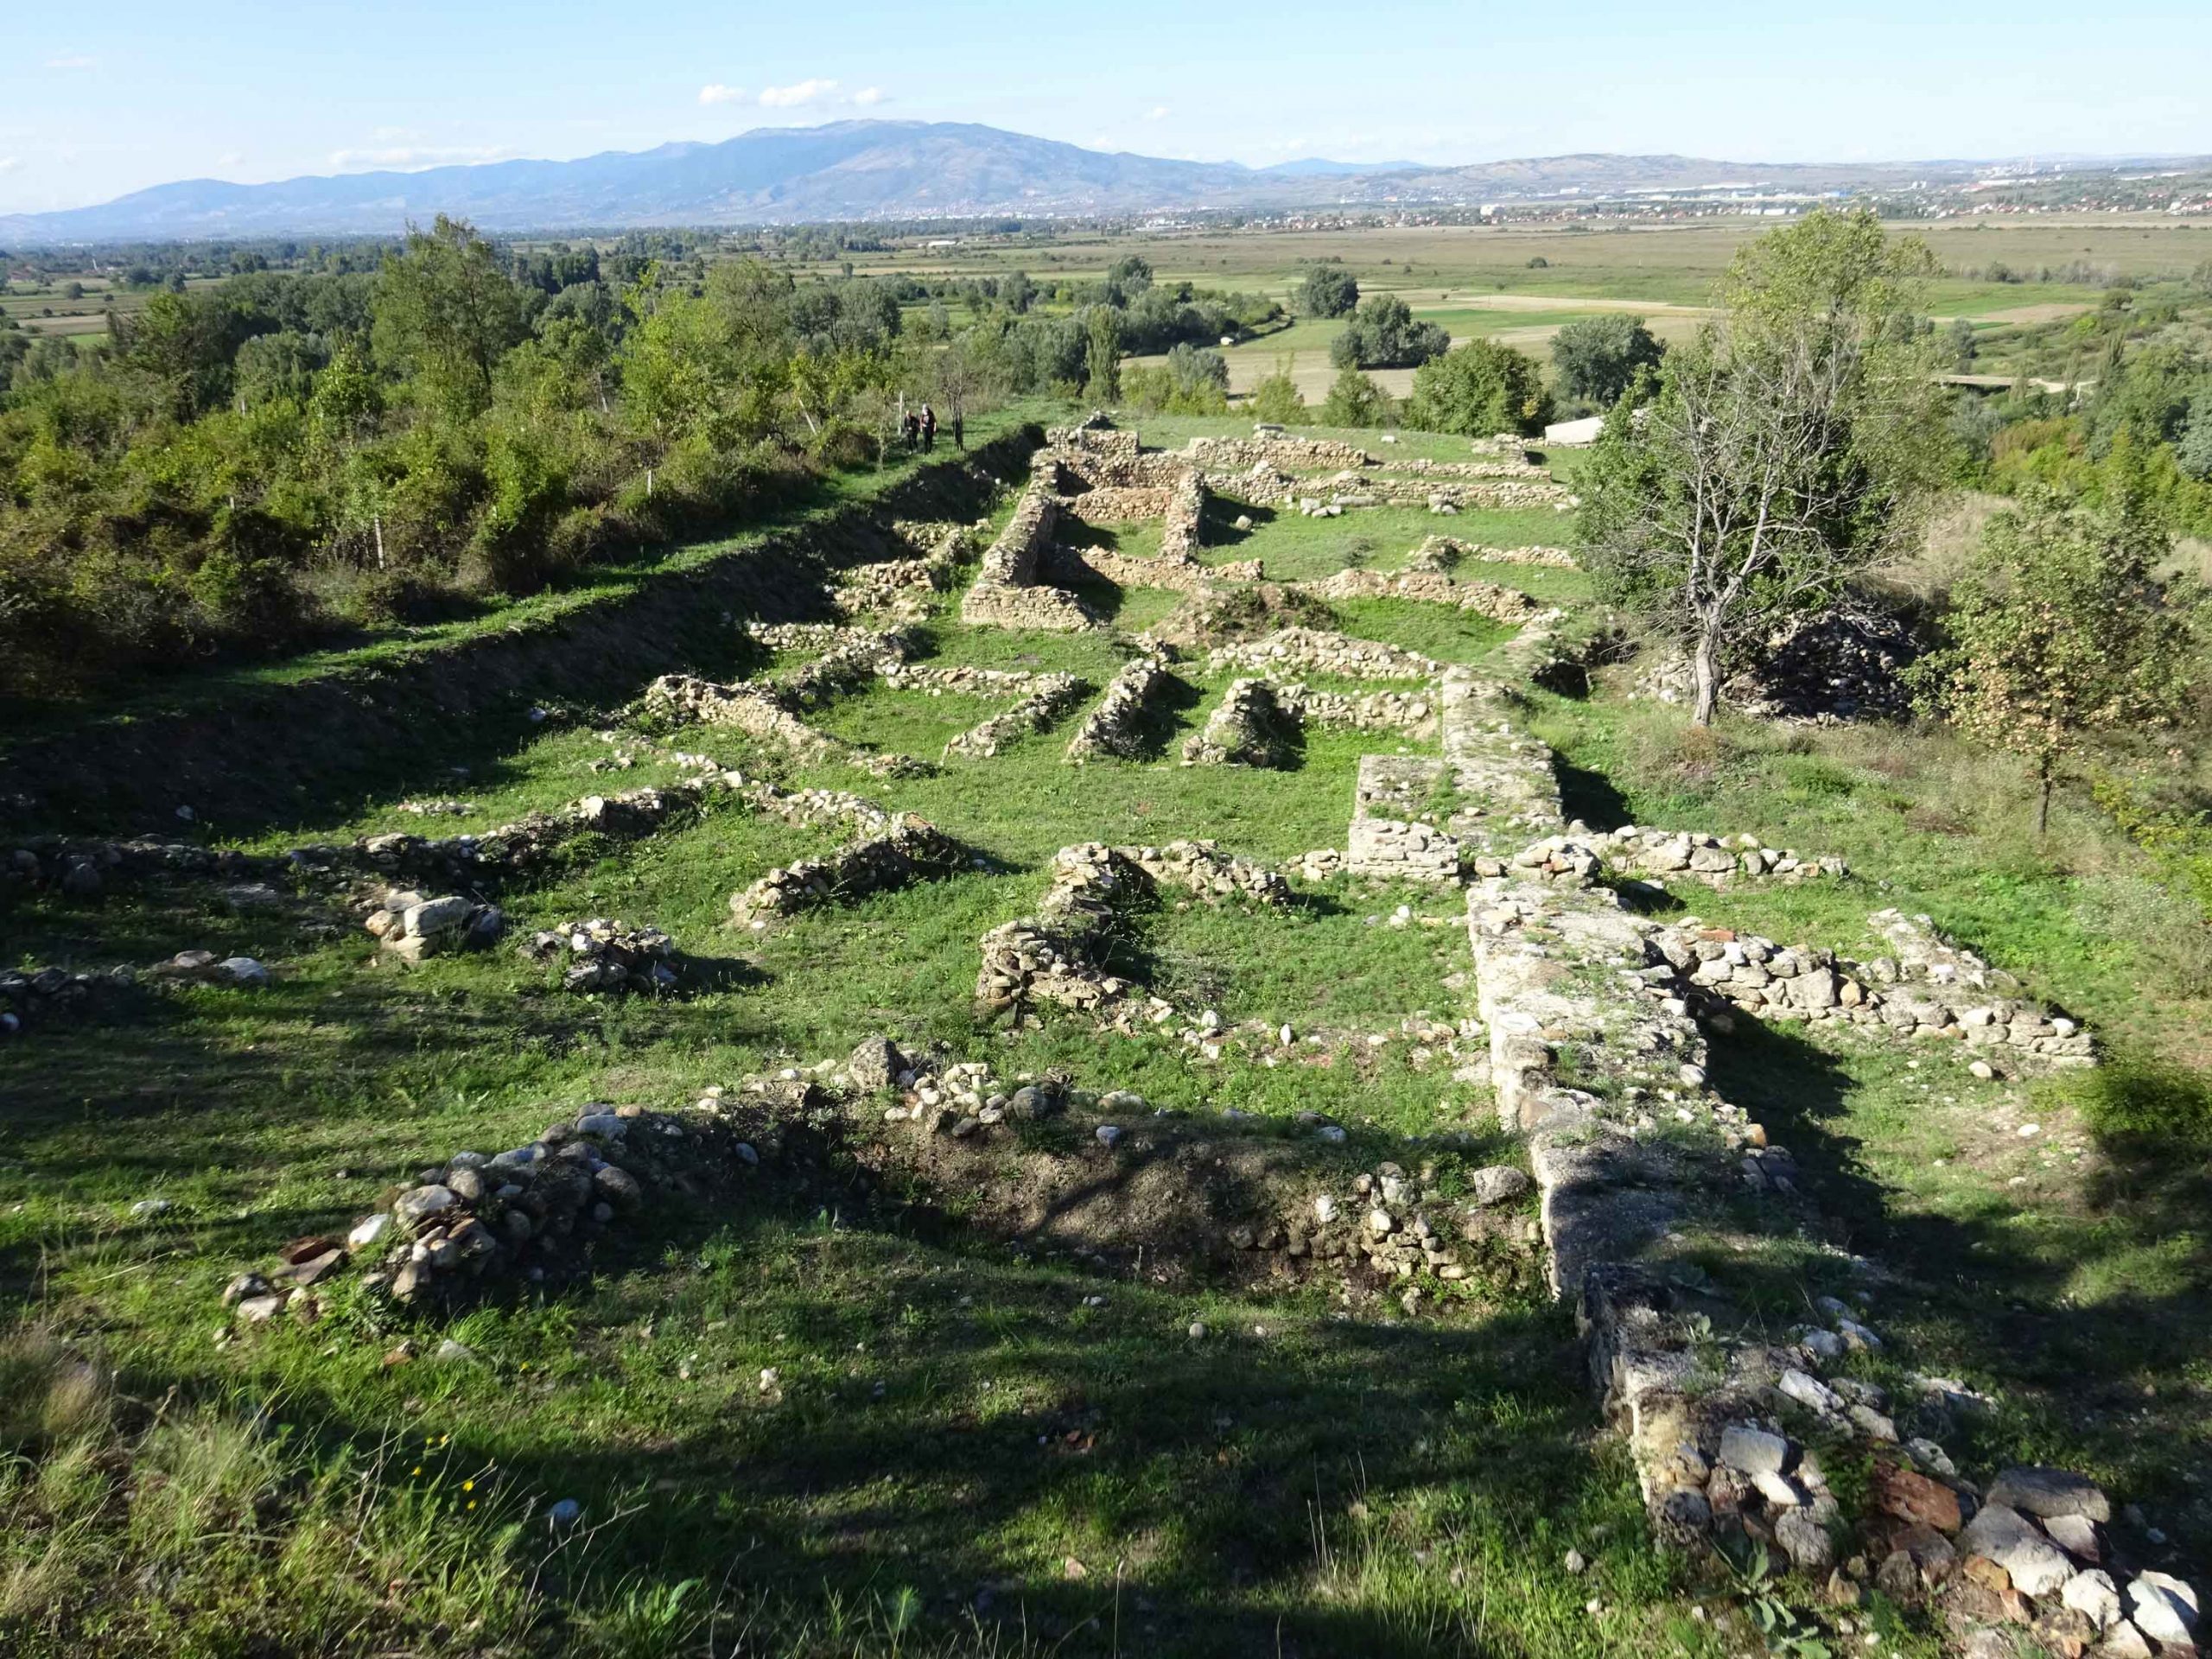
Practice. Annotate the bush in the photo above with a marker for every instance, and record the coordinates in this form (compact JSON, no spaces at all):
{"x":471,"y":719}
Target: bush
{"x":1326,"y":291}
{"x":1355,"y":400}
{"x":1278,"y":399}
{"x":1382,"y":334}
{"x":1480,"y":390}
{"x":1598,"y":358}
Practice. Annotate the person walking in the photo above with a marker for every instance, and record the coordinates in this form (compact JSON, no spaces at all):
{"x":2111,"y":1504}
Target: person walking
{"x":909,"y":428}
{"x":929,"y":428}
{"x":959,"y":440}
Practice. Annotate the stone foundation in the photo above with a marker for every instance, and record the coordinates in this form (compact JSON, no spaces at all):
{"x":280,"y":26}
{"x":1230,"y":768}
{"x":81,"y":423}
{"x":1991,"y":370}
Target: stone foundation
{"x":1249,"y":728}
{"x":1117,"y":725}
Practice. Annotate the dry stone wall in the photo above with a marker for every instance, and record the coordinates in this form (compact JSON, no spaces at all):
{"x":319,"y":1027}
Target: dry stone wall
{"x":1318,"y":650}
{"x":1051,"y":956}
{"x":1390,"y":837}
{"x":1050,"y":697}
{"x":912,"y":850}
{"x":1118,"y":725}
{"x":1596,"y":1057}
{"x":1248,"y":727}
{"x":1507,"y":605}
{"x":1803,"y":984}
{"x":1007,"y":593}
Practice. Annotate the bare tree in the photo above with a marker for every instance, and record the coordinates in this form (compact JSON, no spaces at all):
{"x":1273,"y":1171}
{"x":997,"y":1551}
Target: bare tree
{"x":1790,"y":445}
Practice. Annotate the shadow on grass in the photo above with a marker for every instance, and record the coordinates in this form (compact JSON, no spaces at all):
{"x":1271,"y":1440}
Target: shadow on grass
{"x":2111,"y":1379}
{"x":963,"y":1423}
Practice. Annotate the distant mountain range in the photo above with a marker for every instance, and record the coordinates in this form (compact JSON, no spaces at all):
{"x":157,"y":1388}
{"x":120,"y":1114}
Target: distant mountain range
{"x":874,"y":170}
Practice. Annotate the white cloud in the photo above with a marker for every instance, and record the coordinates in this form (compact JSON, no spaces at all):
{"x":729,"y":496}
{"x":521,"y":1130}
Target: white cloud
{"x":869,"y":96}
{"x":799,"y":92}
{"x":1157,"y":113}
{"x":406,"y":158}
{"x":72,"y":61}
{"x":715,"y":93}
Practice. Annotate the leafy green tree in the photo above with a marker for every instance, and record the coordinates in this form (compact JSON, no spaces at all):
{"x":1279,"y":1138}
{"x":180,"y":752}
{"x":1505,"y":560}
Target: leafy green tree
{"x":1791,"y":444}
{"x":1326,"y":291}
{"x":1480,"y":389}
{"x":2193,"y":450}
{"x":1354,"y":399}
{"x":446,"y":312}
{"x":2061,"y":634}
{"x":279,"y":364}
{"x":1382,"y":334}
{"x":1129,"y":278}
{"x":1192,"y":381}
{"x":1277,"y":398}
{"x":1598,"y":358}
{"x":1101,"y":355}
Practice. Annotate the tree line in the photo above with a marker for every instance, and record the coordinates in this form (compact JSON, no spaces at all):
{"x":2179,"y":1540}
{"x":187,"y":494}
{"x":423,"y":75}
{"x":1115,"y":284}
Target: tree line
{"x":281,"y":456}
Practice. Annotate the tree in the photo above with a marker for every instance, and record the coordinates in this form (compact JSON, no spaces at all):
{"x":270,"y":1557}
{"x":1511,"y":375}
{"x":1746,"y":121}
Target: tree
{"x":1355,"y":400}
{"x":1382,"y":334}
{"x":1480,"y":389}
{"x":1326,"y":291}
{"x":1791,"y":444}
{"x":2193,"y":449}
{"x":2061,"y":633}
{"x":1277,"y":398}
{"x":1102,"y":356}
{"x":960,"y":377}
{"x":446,"y":313}
{"x":1598,"y":358}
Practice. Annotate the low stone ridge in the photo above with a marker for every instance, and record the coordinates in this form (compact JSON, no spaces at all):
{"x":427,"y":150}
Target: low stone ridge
{"x":1449,"y":552}
{"x":1240,"y":1201}
{"x":1507,"y":605}
{"x":758,"y":713}
{"x":1800,"y":984}
{"x":1716,"y":861}
{"x":1050,"y":697}
{"x":1051,"y":956}
{"x":411,"y":927}
{"x":912,"y":850}
{"x":530,"y":1212}
{"x":1318,"y":650}
{"x":602,"y":955}
{"x":34,"y":997}
{"x":1249,"y":728}
{"x":1118,"y":723}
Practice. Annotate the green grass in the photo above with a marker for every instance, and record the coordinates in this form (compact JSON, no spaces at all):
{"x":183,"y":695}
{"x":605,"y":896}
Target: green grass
{"x":2068,"y":1271}
{"x":952,"y":1422}
{"x":1291,"y":547}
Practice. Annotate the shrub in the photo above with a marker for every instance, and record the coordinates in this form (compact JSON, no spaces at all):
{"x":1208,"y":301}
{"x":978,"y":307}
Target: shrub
{"x":1277,"y":398}
{"x":1480,"y":389}
{"x":1382,"y":334}
{"x":1326,"y":291}
{"x":1355,"y":400}
{"x":1598,"y":358}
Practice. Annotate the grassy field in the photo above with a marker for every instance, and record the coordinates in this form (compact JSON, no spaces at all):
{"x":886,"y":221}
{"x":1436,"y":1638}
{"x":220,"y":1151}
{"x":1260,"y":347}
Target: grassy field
{"x":819,"y":1415}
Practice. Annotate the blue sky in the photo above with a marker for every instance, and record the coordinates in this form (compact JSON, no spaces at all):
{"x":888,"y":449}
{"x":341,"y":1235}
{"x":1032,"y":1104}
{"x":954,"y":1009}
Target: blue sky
{"x":98,"y":100}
